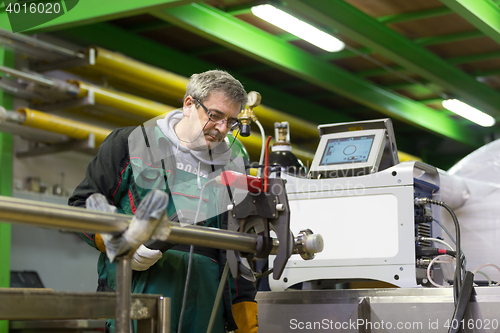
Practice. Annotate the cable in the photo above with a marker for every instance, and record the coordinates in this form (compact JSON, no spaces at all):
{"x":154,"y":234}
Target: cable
{"x":457,"y":281}
{"x":486,"y":276}
{"x":446,"y":230}
{"x":218,"y":297}
{"x":486,"y":265}
{"x":266,"y":165}
{"x":263,"y":148}
{"x":191,"y":250}
{"x":464,"y":259}
{"x":434,"y":261}
{"x":437,"y":240}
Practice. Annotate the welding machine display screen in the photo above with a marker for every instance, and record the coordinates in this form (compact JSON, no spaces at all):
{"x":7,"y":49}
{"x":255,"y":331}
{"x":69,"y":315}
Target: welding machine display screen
{"x":347,"y":150}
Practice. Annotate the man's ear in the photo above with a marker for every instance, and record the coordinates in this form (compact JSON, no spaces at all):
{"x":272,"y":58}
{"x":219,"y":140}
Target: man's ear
{"x":188,"y":106}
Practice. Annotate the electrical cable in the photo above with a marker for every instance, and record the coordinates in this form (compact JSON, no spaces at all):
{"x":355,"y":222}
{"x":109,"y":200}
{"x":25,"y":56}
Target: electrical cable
{"x":454,"y":242}
{"x":457,"y":280}
{"x":190,"y":262}
{"x":437,"y":240}
{"x":486,"y":276}
{"x":445,"y":230}
{"x":266,"y":165}
{"x":486,"y":265}
{"x":263,"y":148}
{"x":218,"y":297}
{"x":435,"y":260}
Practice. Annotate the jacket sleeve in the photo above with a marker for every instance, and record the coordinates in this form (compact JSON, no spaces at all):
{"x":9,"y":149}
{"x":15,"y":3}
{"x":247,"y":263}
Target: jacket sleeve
{"x":104,"y":172}
{"x":103,"y":175}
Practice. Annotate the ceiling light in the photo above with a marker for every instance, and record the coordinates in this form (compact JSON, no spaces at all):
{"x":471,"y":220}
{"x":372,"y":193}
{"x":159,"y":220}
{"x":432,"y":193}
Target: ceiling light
{"x":467,"y":111}
{"x":299,"y":28}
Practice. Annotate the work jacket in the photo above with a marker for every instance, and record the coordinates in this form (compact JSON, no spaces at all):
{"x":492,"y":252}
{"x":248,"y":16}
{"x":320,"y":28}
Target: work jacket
{"x":130,"y":163}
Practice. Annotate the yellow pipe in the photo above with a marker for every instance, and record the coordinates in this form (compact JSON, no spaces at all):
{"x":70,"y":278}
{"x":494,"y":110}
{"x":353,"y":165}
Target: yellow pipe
{"x":403,"y":157}
{"x":253,"y":144}
{"x":298,"y":127}
{"x":126,"y":102}
{"x":174,"y":86}
{"x":55,"y":124}
{"x":130,"y":70}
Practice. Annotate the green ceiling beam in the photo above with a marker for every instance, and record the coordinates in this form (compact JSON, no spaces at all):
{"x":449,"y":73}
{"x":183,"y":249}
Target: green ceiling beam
{"x":483,"y":14}
{"x":415,"y":15}
{"x":93,"y":11}
{"x":156,"y":54}
{"x":473,"y":58}
{"x":355,"y":24}
{"x":433,"y":40}
{"x":226,"y":30}
{"x":286,"y":36}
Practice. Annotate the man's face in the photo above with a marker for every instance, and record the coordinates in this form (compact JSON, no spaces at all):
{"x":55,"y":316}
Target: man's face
{"x":220,"y":108}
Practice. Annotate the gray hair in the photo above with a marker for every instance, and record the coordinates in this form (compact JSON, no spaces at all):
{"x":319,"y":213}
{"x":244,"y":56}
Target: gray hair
{"x":201,"y":85}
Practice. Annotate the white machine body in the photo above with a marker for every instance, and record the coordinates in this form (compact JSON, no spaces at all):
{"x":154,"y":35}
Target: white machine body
{"x":367,"y":224}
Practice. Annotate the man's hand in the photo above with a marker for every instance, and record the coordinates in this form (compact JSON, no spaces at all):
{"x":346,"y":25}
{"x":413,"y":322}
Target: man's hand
{"x":144,"y":258}
{"x":149,"y":213}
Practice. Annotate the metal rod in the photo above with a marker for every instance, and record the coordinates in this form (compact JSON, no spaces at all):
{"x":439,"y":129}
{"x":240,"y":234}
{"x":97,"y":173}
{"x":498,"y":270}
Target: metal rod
{"x":46,"y":215}
{"x":163,"y":315}
{"x":39,"y":44}
{"x":58,"y":85}
{"x":123,"y":291}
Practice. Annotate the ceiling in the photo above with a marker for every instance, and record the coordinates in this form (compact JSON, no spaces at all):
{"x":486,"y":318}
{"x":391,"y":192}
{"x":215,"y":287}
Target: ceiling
{"x":401,"y":59}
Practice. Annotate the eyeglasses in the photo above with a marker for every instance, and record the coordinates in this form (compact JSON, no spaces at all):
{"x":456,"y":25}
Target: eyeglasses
{"x":214,"y":117}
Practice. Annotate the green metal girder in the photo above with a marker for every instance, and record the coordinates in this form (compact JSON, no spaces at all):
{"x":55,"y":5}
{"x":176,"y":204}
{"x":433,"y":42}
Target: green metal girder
{"x":6,"y":160}
{"x":433,"y":40}
{"x":414,"y":15}
{"x":148,"y":51}
{"x":366,"y":30}
{"x":226,"y":30}
{"x":483,"y":14}
{"x":92,"y":11}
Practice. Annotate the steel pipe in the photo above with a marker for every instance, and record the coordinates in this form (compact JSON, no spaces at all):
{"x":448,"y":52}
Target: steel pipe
{"x":46,"y":215}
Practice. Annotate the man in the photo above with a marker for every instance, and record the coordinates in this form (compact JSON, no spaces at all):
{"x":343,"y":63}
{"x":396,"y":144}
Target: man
{"x":179,"y":155}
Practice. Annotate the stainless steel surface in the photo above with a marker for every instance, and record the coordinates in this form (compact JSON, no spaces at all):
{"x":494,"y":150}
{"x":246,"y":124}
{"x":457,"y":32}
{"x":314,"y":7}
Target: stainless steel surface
{"x":76,"y":325}
{"x":374,"y":310}
{"x":123,"y":291}
{"x":38,"y":304}
{"x":163,"y":325}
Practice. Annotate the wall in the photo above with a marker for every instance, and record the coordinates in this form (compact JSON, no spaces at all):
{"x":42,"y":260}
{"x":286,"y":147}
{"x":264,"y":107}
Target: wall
{"x":63,"y":261}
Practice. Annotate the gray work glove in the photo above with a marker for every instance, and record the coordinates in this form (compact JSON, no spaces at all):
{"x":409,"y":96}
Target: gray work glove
{"x":148,"y":214}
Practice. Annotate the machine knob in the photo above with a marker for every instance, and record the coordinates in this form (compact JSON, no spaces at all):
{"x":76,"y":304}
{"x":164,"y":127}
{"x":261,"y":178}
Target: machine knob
{"x":308,"y":244}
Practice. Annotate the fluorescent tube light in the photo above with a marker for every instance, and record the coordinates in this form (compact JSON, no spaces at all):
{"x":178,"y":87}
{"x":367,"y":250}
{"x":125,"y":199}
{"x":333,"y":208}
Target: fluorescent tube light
{"x":468,"y":112}
{"x":299,"y":28}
